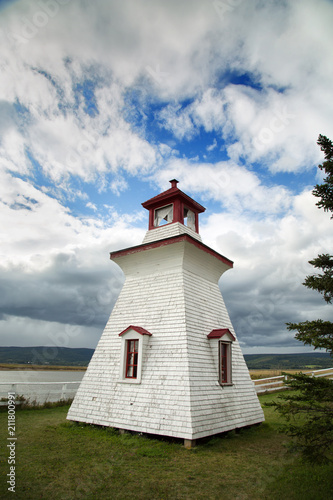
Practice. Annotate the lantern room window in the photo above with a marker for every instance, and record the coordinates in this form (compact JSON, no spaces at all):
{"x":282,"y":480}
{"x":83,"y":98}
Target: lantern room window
{"x":163,"y":215}
{"x":189,"y":218}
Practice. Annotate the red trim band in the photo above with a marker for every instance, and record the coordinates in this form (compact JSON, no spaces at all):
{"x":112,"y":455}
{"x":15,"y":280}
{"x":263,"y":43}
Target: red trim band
{"x":170,"y":241}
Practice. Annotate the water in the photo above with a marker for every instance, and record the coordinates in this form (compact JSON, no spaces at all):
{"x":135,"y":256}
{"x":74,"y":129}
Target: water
{"x":25,"y":383}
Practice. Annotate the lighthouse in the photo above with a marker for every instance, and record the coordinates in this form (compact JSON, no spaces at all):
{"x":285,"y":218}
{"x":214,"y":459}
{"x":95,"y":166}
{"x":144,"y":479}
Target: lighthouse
{"x":169,"y":362}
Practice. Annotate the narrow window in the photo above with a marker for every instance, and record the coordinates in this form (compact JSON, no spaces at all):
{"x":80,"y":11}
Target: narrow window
{"x":189,"y":218}
{"x":163,"y":215}
{"x":132,"y":349}
{"x":225,"y":363}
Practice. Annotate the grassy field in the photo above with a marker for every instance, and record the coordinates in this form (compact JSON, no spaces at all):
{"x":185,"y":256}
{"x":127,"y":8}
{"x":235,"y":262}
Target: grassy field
{"x":265,"y":373}
{"x":62,"y":460}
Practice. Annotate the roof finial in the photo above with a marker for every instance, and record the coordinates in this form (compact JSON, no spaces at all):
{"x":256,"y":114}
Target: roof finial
{"x":174,"y":183}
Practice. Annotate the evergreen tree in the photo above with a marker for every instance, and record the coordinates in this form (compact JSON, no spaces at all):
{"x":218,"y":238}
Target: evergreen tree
{"x":325,"y":191}
{"x":309,"y":410}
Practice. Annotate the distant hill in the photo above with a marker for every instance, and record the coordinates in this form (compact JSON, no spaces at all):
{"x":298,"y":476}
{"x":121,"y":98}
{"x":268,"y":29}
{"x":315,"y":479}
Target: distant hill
{"x":65,"y":356}
{"x":62,"y":356}
{"x":310,"y":361}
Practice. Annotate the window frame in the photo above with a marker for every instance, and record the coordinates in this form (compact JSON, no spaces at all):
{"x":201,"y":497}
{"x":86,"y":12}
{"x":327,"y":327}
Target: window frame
{"x":225,"y":373}
{"x":189,"y":218}
{"x":218,"y":338}
{"x":155,"y":216}
{"x":132,"y":355}
{"x":142,"y":337}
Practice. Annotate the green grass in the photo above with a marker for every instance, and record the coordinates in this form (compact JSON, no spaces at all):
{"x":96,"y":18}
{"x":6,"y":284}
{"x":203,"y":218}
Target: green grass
{"x":62,"y":460}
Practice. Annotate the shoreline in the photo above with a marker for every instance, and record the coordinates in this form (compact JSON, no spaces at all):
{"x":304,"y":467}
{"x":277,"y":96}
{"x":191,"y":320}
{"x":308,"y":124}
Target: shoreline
{"x":15,"y":366}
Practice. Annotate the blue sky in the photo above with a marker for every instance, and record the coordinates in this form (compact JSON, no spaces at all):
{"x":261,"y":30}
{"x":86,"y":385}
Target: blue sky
{"x":101,"y":104}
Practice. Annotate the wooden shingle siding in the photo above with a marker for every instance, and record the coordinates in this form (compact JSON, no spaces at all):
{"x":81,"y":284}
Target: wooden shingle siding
{"x":159,"y":233}
{"x":172,"y":292}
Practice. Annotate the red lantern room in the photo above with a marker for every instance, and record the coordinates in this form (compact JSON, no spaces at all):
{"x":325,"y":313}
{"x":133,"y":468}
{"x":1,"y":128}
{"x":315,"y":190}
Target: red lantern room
{"x":173,"y":206}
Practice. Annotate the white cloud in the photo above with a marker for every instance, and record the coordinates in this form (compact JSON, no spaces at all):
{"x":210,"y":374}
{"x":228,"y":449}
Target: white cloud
{"x":283,"y":53}
{"x":208,"y":111}
{"x":92,"y":206}
{"x":258,"y":79}
{"x":212,"y":146}
{"x":12,"y":152}
{"x":232,"y":185}
{"x":180,"y":123}
{"x":271,"y":254}
{"x":279,"y":129}
{"x":36,"y":227}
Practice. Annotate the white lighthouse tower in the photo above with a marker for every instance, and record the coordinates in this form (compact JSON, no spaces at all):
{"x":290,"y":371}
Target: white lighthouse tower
{"x":168,"y":361}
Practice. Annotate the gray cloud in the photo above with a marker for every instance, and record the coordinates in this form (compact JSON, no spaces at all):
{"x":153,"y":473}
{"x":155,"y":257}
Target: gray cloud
{"x":66,"y":292}
{"x":250,"y":76}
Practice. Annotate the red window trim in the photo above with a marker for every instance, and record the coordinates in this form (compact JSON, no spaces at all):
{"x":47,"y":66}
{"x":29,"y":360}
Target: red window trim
{"x":225,"y":363}
{"x":135,"y":354}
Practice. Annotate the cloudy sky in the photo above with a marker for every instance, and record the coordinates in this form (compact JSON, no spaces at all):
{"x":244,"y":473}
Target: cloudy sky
{"x":102,"y":103}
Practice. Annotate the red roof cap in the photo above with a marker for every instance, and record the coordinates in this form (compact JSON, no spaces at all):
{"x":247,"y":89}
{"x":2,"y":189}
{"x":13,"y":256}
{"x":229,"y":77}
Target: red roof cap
{"x":218,"y":333}
{"x":138,"y":329}
{"x":170,"y":194}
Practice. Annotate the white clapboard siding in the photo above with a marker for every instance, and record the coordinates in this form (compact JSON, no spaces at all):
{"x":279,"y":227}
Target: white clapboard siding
{"x":159,"y":233}
{"x":172,"y":292}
